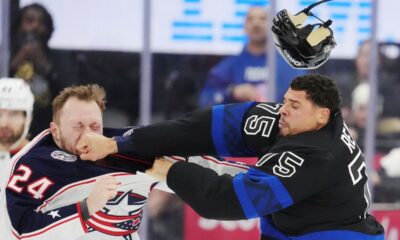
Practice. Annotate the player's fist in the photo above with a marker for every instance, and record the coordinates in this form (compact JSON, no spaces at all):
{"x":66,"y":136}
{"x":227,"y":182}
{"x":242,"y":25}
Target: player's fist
{"x":104,"y":189}
{"x":93,"y":146}
{"x":160,"y":168}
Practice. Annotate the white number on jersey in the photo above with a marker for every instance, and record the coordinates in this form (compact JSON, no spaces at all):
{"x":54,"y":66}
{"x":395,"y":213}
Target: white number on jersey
{"x":37,"y":189}
{"x":26,"y":173}
{"x":287,"y":163}
{"x":256,"y":124}
{"x":356,"y":166}
{"x":264,"y":124}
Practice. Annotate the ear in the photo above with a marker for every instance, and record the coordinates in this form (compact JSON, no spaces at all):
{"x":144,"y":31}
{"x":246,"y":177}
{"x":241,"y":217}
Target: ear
{"x":55,"y":132}
{"x":323,"y":115}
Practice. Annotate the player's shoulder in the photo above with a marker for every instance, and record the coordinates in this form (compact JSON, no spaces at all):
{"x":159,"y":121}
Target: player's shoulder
{"x":313,"y":144}
{"x":40,"y":148}
{"x":268,"y":107}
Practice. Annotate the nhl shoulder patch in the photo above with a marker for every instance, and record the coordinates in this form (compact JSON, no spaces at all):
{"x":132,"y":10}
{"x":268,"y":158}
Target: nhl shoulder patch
{"x":63,"y":156}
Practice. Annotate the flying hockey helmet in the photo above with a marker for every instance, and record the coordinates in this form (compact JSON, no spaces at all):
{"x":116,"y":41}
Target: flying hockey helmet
{"x":303,"y":47}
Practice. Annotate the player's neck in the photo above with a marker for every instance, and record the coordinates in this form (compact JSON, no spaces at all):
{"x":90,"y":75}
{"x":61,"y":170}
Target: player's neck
{"x":5,"y":147}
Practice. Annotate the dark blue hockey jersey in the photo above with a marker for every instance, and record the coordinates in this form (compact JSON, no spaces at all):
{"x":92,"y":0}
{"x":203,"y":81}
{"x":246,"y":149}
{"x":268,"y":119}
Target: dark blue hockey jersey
{"x":47,"y":184}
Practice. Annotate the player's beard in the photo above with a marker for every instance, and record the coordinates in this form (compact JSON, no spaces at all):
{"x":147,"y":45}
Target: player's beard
{"x":64,"y":145}
{"x":8,"y":136}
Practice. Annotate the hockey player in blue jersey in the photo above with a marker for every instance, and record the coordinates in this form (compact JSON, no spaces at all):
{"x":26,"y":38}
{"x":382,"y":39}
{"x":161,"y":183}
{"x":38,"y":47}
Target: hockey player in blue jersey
{"x":309,"y":181}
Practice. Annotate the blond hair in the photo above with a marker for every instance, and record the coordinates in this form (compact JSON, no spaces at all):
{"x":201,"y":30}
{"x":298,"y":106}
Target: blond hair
{"x":88,"y":92}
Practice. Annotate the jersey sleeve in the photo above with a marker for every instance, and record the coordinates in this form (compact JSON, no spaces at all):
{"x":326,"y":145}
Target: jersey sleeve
{"x":279,"y":180}
{"x":220,"y":166}
{"x":232,"y":130}
{"x":283,"y":178}
{"x":25,"y":192}
{"x":209,"y":194}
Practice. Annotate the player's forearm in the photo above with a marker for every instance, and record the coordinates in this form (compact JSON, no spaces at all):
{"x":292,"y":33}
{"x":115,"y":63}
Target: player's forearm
{"x":210,"y":195}
{"x":212,"y":131}
{"x":187,"y":136}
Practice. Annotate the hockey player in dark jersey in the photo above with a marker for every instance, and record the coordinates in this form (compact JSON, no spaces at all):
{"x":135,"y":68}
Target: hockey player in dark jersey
{"x":309,"y":181}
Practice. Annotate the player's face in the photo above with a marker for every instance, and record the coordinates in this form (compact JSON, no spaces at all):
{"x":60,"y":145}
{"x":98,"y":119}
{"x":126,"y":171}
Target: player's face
{"x":299,"y":114}
{"x":256,"y":24}
{"x":76,"y":117}
{"x":12,"y":124}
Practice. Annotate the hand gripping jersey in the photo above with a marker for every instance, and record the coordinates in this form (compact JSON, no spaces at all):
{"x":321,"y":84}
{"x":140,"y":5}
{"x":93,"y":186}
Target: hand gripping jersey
{"x":307,"y":186}
{"x":46,"y":187}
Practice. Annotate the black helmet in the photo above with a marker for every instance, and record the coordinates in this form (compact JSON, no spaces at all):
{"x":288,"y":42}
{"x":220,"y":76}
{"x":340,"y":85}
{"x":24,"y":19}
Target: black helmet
{"x":304,"y":47}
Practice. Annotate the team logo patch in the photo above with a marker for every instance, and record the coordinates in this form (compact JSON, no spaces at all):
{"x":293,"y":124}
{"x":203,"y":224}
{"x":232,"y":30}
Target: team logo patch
{"x":63,"y":156}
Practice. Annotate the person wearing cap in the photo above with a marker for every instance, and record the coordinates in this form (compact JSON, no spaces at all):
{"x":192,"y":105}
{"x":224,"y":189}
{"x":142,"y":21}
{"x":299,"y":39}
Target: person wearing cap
{"x":244,"y":77}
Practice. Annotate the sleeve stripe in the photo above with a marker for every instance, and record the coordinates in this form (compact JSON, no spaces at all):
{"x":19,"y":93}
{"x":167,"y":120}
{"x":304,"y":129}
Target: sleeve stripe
{"x":280,"y":192}
{"x":247,"y":205}
{"x":227,"y":129}
{"x":217,"y":131}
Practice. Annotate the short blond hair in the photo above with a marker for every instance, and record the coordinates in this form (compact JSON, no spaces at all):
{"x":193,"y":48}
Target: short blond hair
{"x":88,"y":92}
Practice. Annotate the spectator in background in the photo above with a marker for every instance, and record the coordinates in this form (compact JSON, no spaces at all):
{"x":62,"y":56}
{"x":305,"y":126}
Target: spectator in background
{"x":387,"y":186}
{"x":388,"y":88}
{"x":362,"y":61}
{"x":16,"y":104}
{"x":359,"y":107}
{"x":243,"y":77}
{"x":31,"y":59}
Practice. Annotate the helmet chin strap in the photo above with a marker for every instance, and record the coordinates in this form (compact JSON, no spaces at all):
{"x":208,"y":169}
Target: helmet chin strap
{"x":308,"y":9}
